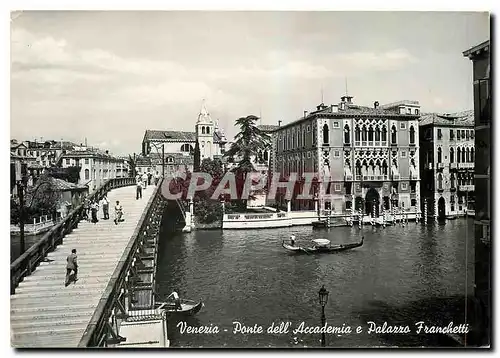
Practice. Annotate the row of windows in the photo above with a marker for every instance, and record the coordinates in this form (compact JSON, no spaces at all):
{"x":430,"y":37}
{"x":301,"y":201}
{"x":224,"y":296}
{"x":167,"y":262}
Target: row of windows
{"x":86,"y":161}
{"x":459,"y":181}
{"x":464,"y":155}
{"x":460,"y":134}
{"x":205,"y":129}
{"x":102,"y":174}
{"x":296,"y":139}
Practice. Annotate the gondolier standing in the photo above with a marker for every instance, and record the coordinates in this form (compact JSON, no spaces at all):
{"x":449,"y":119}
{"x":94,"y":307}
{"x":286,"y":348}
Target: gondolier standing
{"x":177,"y":300}
{"x":292,"y":240}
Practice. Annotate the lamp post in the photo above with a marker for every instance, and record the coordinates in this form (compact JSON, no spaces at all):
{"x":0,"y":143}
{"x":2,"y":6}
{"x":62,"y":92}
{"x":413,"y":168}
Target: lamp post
{"x":20,"y":192}
{"x":323,"y":299}
{"x":162,"y":157}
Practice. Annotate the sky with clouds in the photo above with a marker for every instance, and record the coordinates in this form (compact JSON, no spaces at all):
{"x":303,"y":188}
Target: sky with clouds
{"x":109,"y":76}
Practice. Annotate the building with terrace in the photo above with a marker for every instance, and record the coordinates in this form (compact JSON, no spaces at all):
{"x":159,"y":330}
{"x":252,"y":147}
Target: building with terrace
{"x":447,"y":163}
{"x":366,"y":158}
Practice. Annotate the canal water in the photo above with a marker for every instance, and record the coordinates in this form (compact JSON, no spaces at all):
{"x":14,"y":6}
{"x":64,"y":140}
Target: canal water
{"x":15,"y":244}
{"x":401,"y":275}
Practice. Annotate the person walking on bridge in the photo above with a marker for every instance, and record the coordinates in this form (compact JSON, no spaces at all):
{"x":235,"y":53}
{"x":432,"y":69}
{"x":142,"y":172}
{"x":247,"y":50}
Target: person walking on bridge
{"x":145,"y":180}
{"x":72,"y":265}
{"x":94,"y":208}
{"x":105,"y":206}
{"x":138,"y":190}
{"x":118,"y":212}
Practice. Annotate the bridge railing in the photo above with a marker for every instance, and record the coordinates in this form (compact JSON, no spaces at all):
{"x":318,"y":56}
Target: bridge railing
{"x":25,"y":264}
{"x":98,"y":327}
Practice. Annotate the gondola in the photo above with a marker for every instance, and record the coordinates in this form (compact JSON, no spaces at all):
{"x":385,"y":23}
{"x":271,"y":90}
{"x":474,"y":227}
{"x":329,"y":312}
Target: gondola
{"x":188,"y":307}
{"x":321,"y":246}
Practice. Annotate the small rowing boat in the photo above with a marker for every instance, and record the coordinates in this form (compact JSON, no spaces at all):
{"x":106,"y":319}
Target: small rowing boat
{"x":188,"y":307}
{"x":321,"y":246}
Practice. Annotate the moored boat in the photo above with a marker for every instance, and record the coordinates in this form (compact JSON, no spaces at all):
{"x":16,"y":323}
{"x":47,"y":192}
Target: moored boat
{"x":322,"y":246}
{"x":188,"y":307}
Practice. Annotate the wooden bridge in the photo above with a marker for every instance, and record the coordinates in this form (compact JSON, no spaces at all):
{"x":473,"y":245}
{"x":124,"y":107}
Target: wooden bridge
{"x":116,"y":274}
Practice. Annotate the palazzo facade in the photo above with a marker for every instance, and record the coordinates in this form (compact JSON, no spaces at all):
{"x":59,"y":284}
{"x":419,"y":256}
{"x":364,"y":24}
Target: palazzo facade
{"x":366,"y":158}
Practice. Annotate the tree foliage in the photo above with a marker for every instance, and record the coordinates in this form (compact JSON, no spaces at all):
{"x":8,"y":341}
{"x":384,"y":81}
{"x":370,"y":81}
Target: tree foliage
{"x":197,"y":157}
{"x":38,"y":200}
{"x":248,"y":142}
{"x":69,"y":174}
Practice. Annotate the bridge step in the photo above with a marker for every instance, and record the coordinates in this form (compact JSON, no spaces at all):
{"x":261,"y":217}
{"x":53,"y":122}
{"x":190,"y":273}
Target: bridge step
{"x":74,"y":328}
{"x":61,"y":274}
{"x":51,"y":298}
{"x":52,"y":316}
{"x":35,"y":324}
{"x":68,"y":307}
{"x":48,"y":283}
{"x":77,"y":286}
{"x":69,"y":339}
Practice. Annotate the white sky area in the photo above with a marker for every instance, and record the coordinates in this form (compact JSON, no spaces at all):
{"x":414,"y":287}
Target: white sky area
{"x":108,"y":76}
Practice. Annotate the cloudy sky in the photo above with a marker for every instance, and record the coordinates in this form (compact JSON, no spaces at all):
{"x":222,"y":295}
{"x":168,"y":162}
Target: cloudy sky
{"x":109,"y":76}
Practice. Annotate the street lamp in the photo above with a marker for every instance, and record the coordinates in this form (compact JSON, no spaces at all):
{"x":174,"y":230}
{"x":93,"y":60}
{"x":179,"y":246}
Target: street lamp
{"x":20,"y":193}
{"x":323,"y":299}
{"x":162,"y":157}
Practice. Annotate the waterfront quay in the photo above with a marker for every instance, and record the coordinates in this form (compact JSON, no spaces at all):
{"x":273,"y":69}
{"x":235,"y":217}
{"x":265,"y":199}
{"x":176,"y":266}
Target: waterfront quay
{"x":401,"y":275}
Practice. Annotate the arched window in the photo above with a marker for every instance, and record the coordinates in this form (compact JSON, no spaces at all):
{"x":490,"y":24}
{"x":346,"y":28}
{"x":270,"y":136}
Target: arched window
{"x":186,"y":148}
{"x":452,"y":155}
{"x":384,"y":134}
{"x":87,"y":174}
{"x":358,"y":167}
{"x":363,"y":133}
{"x":209,"y":148}
{"x":440,"y":181}
{"x":412,"y":135}
{"x":326,"y":134}
{"x":377,"y":133}
{"x":347,"y":134}
{"x":472,"y":155}
{"x":440,"y":155}
{"x":463,"y":155}
{"x":393,"y":134}
{"x":208,"y":130}
{"x":384,"y":167}
{"x":452,"y":180}
{"x":458,"y":155}
{"x":370,"y":134}
{"x":467,"y":155}
{"x":266,"y":155}
{"x":357,"y":134}
{"x":202,"y":130}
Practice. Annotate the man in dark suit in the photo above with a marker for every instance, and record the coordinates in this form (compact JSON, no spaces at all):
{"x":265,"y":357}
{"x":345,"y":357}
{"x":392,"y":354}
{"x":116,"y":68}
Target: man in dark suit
{"x":72,"y":265}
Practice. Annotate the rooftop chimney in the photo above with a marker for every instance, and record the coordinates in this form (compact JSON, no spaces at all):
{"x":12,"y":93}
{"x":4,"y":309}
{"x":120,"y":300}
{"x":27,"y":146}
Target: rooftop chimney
{"x":375,"y":104}
{"x":305,"y":114}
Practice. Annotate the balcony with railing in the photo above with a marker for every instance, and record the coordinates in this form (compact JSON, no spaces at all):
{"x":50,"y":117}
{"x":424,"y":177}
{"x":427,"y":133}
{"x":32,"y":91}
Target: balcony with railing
{"x":358,"y":177}
{"x":395,"y":176}
{"x":466,"y":165}
{"x":348,"y":177}
{"x":466,"y":187}
{"x":440,"y":166}
{"x":453,"y":165}
{"x":347,"y":144}
{"x":428,"y":166}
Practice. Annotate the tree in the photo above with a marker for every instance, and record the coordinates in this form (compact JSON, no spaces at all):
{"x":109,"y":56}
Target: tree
{"x":197,"y":156}
{"x":69,"y":174}
{"x":38,"y":200}
{"x":247,"y":143}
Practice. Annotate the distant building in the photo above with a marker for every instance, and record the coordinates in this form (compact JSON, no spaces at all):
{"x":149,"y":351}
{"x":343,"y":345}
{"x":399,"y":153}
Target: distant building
{"x":369,"y":154}
{"x":447,"y":163}
{"x":96,"y":167}
{"x":480,"y":57}
{"x":212,"y":141}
